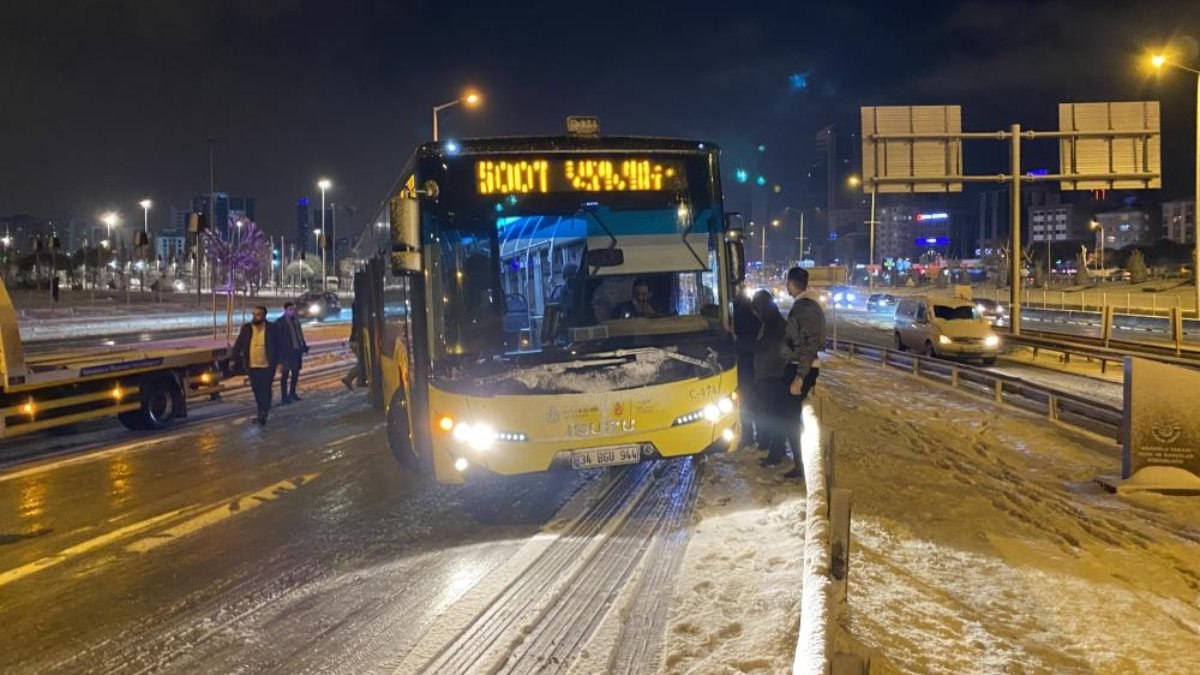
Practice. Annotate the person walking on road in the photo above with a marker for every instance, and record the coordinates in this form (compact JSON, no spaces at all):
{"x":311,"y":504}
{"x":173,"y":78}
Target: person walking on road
{"x":803,"y":340}
{"x":770,"y":385}
{"x":292,"y":349}
{"x":254,"y":353}
{"x":357,"y":373}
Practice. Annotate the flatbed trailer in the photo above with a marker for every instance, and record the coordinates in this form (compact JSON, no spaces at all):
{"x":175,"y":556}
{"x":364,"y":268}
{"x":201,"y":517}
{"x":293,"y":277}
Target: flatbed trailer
{"x":144,"y":388}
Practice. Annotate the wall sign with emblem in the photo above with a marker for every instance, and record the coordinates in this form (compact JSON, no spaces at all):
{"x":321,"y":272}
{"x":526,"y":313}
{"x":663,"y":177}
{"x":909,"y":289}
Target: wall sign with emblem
{"x":1161,"y":434}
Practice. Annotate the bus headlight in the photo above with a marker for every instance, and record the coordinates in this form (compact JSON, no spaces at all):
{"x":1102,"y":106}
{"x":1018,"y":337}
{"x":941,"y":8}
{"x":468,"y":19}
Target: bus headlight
{"x":725,"y":406}
{"x":992,"y":340}
{"x":711,"y":412}
{"x":481,"y":436}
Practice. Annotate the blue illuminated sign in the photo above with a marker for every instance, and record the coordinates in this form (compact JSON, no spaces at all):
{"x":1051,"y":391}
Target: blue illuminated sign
{"x":933,"y":241}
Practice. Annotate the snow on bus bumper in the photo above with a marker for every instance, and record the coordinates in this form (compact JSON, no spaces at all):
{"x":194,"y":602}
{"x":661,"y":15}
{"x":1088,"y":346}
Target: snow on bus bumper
{"x":511,"y":435}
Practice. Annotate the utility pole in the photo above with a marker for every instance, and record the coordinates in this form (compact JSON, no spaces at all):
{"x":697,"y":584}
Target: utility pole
{"x":1014,"y":213}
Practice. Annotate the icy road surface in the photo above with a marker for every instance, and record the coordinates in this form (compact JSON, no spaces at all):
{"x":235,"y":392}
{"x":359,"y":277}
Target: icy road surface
{"x":982,"y":543}
{"x":302,"y":548}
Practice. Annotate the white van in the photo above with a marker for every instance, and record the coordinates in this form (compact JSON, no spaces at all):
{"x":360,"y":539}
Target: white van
{"x":949,"y":327}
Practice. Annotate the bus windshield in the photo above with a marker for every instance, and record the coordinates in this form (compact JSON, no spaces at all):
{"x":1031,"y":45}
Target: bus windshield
{"x":539,"y":271}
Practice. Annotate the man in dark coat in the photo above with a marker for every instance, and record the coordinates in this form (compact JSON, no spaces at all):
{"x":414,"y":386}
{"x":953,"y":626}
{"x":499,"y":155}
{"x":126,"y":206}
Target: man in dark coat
{"x":770,"y":384}
{"x":804,"y":338}
{"x":745,"y":330}
{"x":291,"y":349}
{"x":254,"y":353}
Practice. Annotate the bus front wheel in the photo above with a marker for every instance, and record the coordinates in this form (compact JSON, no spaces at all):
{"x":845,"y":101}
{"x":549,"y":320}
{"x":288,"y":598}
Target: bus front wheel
{"x":399,"y":432}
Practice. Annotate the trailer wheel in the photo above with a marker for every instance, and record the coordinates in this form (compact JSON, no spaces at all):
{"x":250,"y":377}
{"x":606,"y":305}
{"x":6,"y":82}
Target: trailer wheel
{"x":162,"y":402}
{"x":399,"y":434}
{"x":132,"y":420}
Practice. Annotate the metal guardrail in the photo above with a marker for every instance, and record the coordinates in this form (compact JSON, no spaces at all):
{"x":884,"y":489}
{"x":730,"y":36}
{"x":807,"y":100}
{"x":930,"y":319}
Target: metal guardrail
{"x":1056,"y":405}
{"x":1094,"y":349}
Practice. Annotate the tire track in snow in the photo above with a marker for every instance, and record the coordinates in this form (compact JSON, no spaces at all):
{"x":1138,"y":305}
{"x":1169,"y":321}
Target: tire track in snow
{"x":546,"y":614}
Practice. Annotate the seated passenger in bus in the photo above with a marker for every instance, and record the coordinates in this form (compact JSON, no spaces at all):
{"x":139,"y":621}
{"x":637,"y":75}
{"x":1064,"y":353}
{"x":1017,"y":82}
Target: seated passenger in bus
{"x":640,"y":305}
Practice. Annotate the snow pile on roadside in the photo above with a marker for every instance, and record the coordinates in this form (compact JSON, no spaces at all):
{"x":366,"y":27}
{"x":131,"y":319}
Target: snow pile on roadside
{"x":982,"y":544}
{"x":736,"y":601}
{"x":812,"y":643}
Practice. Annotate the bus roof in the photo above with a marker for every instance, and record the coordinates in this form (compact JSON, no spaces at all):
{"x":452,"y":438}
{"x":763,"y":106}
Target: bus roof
{"x":522,"y":144}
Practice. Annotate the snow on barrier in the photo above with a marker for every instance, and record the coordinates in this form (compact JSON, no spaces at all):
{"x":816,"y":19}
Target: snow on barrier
{"x":826,"y":557}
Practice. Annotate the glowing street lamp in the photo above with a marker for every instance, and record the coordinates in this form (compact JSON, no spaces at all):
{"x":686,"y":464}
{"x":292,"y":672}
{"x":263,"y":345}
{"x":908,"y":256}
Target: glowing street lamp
{"x":1158,"y":61}
{"x":471,"y":99}
{"x":1095,"y":225}
{"x":324,"y":184}
{"x":145,"y":204}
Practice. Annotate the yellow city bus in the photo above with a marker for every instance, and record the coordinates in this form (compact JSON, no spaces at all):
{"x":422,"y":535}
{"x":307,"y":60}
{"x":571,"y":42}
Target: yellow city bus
{"x":556,"y":302}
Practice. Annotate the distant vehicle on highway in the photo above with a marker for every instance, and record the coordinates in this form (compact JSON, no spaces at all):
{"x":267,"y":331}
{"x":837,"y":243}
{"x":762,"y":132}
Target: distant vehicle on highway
{"x":945,"y":327}
{"x":842,"y":297}
{"x":318,"y":305}
{"x":992,"y":311}
{"x":881,"y":302}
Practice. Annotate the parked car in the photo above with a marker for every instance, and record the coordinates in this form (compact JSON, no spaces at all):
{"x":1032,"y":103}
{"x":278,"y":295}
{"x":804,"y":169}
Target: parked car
{"x":318,"y":305}
{"x":881,"y":302}
{"x":992,"y":311}
{"x":945,"y":327}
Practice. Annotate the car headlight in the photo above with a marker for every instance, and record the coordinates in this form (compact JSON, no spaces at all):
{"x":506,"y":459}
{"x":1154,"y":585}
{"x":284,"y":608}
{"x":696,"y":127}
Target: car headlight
{"x":849,"y":297}
{"x":981,"y":309}
{"x":944,"y":339}
{"x":314,"y":308}
{"x":991,"y":341}
{"x":837,"y":296}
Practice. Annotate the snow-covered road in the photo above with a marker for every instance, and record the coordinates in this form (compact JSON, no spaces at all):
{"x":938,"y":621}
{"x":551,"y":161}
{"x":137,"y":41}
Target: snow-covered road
{"x":982,"y":543}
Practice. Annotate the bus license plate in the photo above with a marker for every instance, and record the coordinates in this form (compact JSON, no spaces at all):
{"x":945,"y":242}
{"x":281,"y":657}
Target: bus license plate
{"x":621,"y":454}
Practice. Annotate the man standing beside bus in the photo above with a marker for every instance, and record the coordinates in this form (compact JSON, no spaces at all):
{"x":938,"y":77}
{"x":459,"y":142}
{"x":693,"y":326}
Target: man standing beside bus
{"x":292,"y":349}
{"x":254,"y":352}
{"x":804,"y":338}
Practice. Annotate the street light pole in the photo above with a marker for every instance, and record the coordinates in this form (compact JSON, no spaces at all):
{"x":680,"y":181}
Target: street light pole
{"x":324,"y":184}
{"x":145,"y":204}
{"x":871,"y":264}
{"x":1158,"y":62}
{"x":1095,"y":224}
{"x":471,"y":99}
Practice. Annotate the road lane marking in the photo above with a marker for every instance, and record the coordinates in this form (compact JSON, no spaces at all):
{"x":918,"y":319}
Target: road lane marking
{"x":209,"y":514}
{"x":84,"y":547}
{"x":85,"y":457}
{"x":219,"y":513}
{"x":347,"y":439}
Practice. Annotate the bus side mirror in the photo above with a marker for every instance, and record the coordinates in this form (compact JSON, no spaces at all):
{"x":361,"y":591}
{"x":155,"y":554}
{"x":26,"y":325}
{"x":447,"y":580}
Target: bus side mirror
{"x":737,"y":261}
{"x":734,"y":222}
{"x":406,"y":234}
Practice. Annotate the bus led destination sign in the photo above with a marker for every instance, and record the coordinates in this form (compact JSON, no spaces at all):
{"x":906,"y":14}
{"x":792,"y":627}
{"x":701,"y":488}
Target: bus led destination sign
{"x":578,"y":174}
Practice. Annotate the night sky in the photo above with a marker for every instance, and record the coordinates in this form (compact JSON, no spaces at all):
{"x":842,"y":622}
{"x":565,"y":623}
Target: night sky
{"x":105,"y":102}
